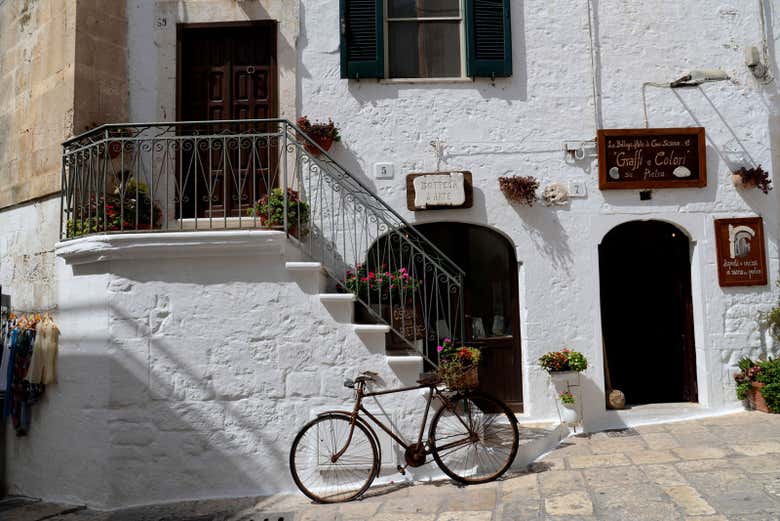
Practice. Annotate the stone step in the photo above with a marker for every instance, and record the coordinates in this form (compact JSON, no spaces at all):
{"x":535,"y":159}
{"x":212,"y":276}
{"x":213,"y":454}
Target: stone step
{"x":406,"y":368}
{"x":373,"y":336}
{"x":341,"y":306}
{"x":309,"y":275}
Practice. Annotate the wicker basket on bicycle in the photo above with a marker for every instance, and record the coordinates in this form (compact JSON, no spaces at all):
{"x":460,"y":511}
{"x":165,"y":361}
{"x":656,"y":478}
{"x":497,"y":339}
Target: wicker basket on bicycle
{"x":458,"y":366}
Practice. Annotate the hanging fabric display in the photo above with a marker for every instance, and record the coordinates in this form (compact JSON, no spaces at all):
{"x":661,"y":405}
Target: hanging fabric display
{"x":29,"y":362}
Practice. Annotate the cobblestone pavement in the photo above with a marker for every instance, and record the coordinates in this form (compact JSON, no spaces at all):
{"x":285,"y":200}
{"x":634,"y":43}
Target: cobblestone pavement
{"x":717,"y":469}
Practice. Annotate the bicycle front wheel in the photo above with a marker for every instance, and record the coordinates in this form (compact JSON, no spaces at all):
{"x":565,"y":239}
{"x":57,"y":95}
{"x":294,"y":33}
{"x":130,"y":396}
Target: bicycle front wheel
{"x":474,"y":438}
{"x":328,"y":464}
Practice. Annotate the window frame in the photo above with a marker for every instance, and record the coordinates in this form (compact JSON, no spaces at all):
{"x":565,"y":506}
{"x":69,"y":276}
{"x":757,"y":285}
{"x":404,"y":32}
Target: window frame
{"x":461,"y":19}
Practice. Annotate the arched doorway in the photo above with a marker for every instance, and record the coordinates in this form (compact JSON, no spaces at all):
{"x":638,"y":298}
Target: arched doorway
{"x":647,"y":313}
{"x":490,"y":301}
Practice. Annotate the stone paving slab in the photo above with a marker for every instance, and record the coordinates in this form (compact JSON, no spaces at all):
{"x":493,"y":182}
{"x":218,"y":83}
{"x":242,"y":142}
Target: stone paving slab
{"x":712,"y":469}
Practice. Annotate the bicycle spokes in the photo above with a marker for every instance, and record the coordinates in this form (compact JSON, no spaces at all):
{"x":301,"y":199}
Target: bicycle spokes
{"x":332,"y":462}
{"x":472,"y":445}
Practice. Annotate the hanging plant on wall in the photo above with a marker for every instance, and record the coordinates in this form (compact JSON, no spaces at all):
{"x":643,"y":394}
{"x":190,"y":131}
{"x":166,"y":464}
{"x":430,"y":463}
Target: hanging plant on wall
{"x":747,"y":178}
{"x":518,"y":188}
{"x":324,"y":134}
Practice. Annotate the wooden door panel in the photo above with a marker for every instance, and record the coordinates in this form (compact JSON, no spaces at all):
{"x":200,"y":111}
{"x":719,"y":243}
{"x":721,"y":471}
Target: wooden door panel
{"x":227,"y":72}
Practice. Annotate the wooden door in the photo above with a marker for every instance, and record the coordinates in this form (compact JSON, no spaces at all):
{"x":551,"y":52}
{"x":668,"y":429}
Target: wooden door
{"x":227,"y":72}
{"x":491,"y":303}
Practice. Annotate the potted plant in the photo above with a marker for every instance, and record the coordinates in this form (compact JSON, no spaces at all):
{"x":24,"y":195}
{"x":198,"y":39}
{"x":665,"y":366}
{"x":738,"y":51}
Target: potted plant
{"x":568,"y":408}
{"x":390,"y":294}
{"x":758,"y":384}
{"x":324,"y":134}
{"x":458,"y":366}
{"x":129,"y":207}
{"x":270,"y":209}
{"x":746,"y":178}
{"x":521,"y":189}
{"x":564,"y":367}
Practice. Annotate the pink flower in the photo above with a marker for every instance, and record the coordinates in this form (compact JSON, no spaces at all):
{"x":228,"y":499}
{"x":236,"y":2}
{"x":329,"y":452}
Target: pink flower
{"x":439,"y":348}
{"x":371,"y":275}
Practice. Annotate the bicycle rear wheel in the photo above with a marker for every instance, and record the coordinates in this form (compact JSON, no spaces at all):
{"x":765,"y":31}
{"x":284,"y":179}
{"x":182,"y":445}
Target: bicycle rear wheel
{"x":311,"y":459}
{"x":471,"y":443}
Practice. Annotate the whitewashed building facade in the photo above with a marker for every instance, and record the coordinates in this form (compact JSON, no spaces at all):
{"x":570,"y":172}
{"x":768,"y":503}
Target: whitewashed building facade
{"x":191,"y":354}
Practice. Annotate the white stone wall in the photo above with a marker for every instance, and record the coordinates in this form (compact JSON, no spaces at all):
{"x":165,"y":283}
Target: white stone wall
{"x":517,"y":126}
{"x":188,"y":376}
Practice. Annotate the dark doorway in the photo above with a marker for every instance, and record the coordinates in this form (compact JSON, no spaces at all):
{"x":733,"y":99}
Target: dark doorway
{"x":490,"y":301}
{"x":647,"y":313}
{"x":226,"y":71}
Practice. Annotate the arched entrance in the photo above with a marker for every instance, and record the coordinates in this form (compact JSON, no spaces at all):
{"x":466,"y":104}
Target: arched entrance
{"x":647,"y":313}
{"x":490,"y":302}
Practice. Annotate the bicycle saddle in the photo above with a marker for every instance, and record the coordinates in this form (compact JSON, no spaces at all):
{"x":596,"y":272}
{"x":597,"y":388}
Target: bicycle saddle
{"x":365,"y":376}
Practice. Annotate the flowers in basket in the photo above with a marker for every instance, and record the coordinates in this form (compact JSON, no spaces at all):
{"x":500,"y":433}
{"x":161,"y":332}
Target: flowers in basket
{"x":381,"y":285}
{"x":563,"y":360}
{"x":458,"y":366}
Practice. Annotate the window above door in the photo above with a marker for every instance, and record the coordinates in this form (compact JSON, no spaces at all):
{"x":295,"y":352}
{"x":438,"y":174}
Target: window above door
{"x":425,"y":39}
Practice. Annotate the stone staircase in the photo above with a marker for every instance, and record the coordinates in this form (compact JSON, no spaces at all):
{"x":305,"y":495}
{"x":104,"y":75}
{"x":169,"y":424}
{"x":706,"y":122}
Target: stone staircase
{"x":341,"y":306}
{"x":536,"y":439}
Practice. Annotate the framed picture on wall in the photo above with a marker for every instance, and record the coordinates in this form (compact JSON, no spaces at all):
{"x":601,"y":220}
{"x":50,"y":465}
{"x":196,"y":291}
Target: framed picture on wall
{"x":741,"y":251}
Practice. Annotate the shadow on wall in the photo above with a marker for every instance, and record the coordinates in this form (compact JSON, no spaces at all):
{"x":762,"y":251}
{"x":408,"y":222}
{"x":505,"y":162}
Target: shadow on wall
{"x":547,"y":234}
{"x":197,"y":411}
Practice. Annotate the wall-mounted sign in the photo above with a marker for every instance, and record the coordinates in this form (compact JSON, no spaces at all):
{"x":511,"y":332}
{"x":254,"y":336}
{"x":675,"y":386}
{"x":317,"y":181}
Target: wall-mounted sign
{"x":439,"y":191}
{"x":652,"y":158}
{"x":741,"y":255}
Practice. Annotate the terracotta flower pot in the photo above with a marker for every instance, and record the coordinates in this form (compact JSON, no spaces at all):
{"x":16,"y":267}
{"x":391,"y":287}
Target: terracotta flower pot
{"x":755,"y":399}
{"x":325,"y":143}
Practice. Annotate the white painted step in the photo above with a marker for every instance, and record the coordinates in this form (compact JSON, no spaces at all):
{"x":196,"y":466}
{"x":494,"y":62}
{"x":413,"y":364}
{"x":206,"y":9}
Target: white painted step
{"x":373,"y":336}
{"x":406,"y":368}
{"x":341,"y":306}
{"x":309,"y":275}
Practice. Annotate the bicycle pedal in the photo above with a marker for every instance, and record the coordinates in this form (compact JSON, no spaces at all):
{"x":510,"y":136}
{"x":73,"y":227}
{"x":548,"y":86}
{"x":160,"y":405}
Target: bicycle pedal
{"x":401,"y":469}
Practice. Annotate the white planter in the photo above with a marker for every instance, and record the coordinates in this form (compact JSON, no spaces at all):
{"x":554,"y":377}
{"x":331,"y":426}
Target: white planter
{"x":569,"y":414}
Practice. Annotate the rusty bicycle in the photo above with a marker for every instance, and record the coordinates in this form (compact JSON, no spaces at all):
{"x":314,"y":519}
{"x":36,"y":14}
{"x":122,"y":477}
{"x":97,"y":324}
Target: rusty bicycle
{"x":472,"y":437}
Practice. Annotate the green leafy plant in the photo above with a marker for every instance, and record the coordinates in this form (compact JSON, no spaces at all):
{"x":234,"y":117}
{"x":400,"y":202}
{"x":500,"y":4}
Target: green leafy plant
{"x":381,"y":285}
{"x":129,"y":207}
{"x":563,"y":360}
{"x":567,"y":397}
{"x":763,"y":372}
{"x":270,"y":210}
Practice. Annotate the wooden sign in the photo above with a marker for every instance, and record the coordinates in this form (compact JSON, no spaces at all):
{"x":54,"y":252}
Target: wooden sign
{"x":652,"y":158}
{"x":741,"y":253}
{"x":439,"y":191}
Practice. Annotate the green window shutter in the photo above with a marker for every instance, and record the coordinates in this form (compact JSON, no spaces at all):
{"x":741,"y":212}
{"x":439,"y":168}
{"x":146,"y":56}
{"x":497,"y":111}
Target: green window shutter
{"x":362,"y":39}
{"x":488,"y":38}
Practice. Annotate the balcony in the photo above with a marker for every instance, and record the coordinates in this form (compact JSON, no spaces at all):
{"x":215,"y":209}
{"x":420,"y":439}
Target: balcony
{"x":261,"y":174}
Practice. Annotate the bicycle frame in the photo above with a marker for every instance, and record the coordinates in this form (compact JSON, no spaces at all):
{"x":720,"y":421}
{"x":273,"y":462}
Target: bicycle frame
{"x":358,"y":409}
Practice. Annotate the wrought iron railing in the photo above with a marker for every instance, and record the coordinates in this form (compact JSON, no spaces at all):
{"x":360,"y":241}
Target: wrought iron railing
{"x":208,"y":175}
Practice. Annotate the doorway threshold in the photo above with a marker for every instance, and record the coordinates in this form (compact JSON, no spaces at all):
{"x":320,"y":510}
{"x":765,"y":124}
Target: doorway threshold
{"x":648,"y":414}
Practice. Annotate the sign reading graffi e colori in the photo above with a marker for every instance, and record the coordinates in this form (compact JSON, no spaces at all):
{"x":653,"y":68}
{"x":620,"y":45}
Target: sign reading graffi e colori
{"x":652,"y":158}
{"x":741,"y":254}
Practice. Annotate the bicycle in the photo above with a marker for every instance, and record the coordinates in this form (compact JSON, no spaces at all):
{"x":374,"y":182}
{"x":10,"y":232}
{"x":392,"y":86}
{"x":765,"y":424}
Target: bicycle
{"x":337,"y":456}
